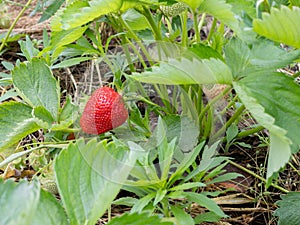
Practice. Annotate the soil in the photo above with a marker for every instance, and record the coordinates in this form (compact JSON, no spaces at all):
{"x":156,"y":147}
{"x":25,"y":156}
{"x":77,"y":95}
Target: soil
{"x":247,"y":203}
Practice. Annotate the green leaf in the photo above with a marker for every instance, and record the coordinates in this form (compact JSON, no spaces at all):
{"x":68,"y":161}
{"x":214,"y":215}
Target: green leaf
{"x":135,"y":20}
{"x":244,"y":61}
{"x":129,"y":4}
{"x":160,"y":194}
{"x":15,"y":156}
{"x":205,"y":202}
{"x":65,"y":37}
{"x":160,"y":132}
{"x":7,"y":65}
{"x":146,"y":173}
{"x":184,"y":130}
{"x":37,"y":86}
{"x":128,"y":201}
{"x":295,"y":2}
{"x":41,"y":113}
{"x":222,"y":11}
{"x":279,"y":25}
{"x":274,"y":101}
{"x":202,"y":52}
{"x":9,"y":94}
{"x":231,"y":132}
{"x":208,"y":160}
{"x":16,"y":122}
{"x":187,"y":160}
{"x":143,"y":202}
{"x":69,"y":112}
{"x":275,"y":58}
{"x":18,"y":202}
{"x":186,"y":71}
{"x":242,"y":7}
{"x":288,"y":211}
{"x":194,"y":4}
{"x":137,"y":219}
{"x":56,"y":21}
{"x":207,"y":217}
{"x":50,"y":211}
{"x":70,"y":62}
{"x":181,"y":216}
{"x":165,"y":157}
{"x":225,"y":177}
{"x":51,"y":10}
{"x":187,"y":186}
{"x":237,"y":56}
{"x":82,"y":12}
{"x":28,"y":49}
{"x":89,"y":176}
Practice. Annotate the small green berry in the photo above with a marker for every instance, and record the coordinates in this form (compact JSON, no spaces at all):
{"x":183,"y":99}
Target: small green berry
{"x":173,"y":10}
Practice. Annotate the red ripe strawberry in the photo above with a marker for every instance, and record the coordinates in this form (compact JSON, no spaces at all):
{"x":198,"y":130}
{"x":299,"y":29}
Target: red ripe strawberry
{"x":104,"y":111}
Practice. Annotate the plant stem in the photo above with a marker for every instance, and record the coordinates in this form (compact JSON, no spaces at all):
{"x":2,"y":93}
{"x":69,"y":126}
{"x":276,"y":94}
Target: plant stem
{"x":250,"y":131}
{"x":99,"y":38}
{"x":212,"y":29}
{"x":207,"y":125}
{"x":109,"y":213}
{"x":164,"y":96}
{"x":197,"y":33}
{"x":184,"y":35}
{"x":229,"y":122}
{"x":165,"y":206}
{"x":201,"y":21}
{"x":212,"y":102}
{"x":294,"y":168}
{"x":151,"y":21}
{"x":136,"y":38}
{"x":127,"y":55}
{"x":157,"y":33}
{"x":14,"y":24}
{"x":257,"y":176}
{"x":231,"y":103}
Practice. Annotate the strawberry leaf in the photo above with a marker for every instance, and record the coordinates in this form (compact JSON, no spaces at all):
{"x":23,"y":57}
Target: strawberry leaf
{"x":18,"y":202}
{"x":187,"y":71}
{"x":65,"y":37}
{"x":36,"y":85}
{"x":222,"y":11}
{"x":242,"y":7}
{"x":289,"y":207}
{"x":274,"y":101}
{"x":49,"y":211}
{"x":263,"y":55}
{"x":82,"y":12}
{"x":15,"y":123}
{"x":135,"y":20}
{"x":279,"y":25}
{"x":89,"y":176}
{"x":51,"y":9}
{"x":194,"y":4}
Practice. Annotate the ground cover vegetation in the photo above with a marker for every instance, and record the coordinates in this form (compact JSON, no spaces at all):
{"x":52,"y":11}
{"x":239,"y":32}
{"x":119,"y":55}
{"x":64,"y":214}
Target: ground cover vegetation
{"x":183,"y":94}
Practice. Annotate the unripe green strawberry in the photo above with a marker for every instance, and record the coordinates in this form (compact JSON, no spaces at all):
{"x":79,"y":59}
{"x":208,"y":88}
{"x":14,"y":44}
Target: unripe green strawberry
{"x":104,"y":111}
{"x":50,"y":186}
{"x":173,"y":10}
